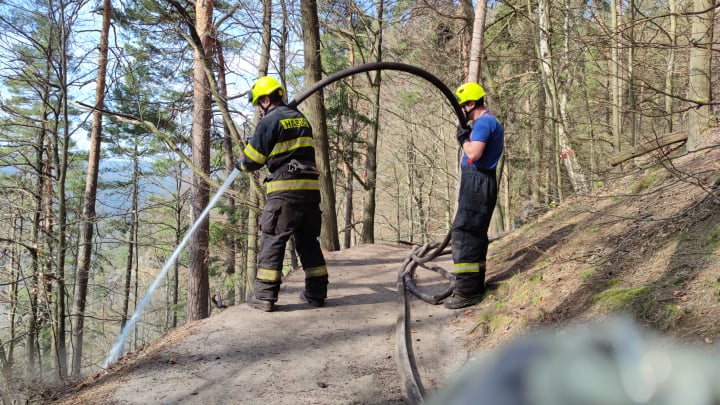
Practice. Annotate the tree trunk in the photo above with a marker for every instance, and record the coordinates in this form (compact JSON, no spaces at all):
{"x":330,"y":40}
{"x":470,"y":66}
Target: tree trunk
{"x":557,"y":99}
{"x":615,"y":90}
{"x":670,"y":67}
{"x":32,"y":327}
{"x":348,"y":152}
{"x":369,"y":203}
{"x":179,"y":232}
{"x":131,"y":235}
{"x":14,"y":290}
{"x":282,"y":43}
{"x":476,"y":44}
{"x":318,"y":120}
{"x":347,"y":148}
{"x":231,"y":208}
{"x":62,"y":164}
{"x":254,"y":200}
{"x":631,"y":88}
{"x":699,"y":115}
{"x":88,"y":217}
{"x":465,"y":53}
{"x":198,"y":279}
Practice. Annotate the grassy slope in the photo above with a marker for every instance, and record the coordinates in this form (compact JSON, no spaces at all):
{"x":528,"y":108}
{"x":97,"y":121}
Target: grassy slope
{"x":646,"y":244}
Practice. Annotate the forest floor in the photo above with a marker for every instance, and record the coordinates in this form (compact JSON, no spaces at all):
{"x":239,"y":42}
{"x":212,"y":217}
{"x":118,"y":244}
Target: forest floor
{"x":342,"y":353}
{"x":645,"y":244}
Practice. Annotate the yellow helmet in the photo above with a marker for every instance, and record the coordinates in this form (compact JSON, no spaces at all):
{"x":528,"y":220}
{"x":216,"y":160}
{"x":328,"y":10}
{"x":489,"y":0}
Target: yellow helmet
{"x":469,"y":92}
{"x":265,"y":86}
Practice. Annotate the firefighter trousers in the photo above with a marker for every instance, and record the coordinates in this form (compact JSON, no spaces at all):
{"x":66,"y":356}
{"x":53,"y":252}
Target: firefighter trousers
{"x":476,"y":202}
{"x":280,"y":220}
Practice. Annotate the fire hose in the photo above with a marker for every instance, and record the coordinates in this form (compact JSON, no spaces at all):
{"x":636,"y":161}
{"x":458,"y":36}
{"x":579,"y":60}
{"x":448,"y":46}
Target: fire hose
{"x":411,"y":384}
{"x":421,"y":255}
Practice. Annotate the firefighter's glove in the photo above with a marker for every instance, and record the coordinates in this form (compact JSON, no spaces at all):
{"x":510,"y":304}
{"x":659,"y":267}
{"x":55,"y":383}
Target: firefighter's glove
{"x":462,"y":134}
{"x":239,"y":165}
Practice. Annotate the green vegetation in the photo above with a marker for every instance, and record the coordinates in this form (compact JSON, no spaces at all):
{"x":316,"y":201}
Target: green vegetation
{"x":643,"y":184}
{"x":670,"y":316}
{"x":622,"y":299}
{"x":712,"y":239}
{"x":491,"y":322}
{"x":587,"y":273}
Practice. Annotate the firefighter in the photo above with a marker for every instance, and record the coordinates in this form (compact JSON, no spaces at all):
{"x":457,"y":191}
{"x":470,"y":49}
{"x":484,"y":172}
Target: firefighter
{"x":482,"y":145}
{"x":283,"y":142}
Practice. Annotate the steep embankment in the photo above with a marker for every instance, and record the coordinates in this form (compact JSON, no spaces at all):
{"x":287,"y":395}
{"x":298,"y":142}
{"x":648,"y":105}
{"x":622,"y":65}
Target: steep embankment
{"x":646,"y":244}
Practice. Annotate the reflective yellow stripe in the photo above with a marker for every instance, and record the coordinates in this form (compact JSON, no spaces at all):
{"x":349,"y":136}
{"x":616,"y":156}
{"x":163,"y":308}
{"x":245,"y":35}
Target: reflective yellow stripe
{"x":316,"y":271}
{"x":290,"y":185}
{"x":297,"y":143}
{"x":467,"y":267}
{"x":269,"y":274}
{"x":254,"y":155}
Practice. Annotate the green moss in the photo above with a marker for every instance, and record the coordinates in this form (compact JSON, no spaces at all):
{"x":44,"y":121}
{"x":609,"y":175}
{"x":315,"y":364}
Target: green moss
{"x":587,"y":273}
{"x":522,"y":323}
{"x":643,"y":184}
{"x":713,"y":237}
{"x":502,"y":290}
{"x":519,"y":295}
{"x":490,"y":322}
{"x":542,"y":263}
{"x":620,"y":299}
{"x":670,"y":316}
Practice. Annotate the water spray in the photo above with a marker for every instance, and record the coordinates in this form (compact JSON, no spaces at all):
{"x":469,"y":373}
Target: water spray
{"x":118,"y":348}
{"x":367,"y":67}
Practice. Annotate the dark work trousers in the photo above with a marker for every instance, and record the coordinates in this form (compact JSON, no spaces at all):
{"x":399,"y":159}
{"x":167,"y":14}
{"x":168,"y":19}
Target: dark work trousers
{"x":281,"y":219}
{"x":476,"y":202}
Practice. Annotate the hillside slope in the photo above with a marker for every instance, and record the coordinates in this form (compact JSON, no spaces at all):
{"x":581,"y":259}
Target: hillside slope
{"x":646,"y":244}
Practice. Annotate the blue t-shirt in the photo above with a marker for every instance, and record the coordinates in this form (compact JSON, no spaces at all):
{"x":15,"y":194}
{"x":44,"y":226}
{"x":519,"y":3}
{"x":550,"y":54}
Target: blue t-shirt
{"x":489,"y":130}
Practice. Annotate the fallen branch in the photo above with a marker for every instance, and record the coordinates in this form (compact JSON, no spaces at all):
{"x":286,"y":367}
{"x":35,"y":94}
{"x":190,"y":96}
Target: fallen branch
{"x":649,"y":147}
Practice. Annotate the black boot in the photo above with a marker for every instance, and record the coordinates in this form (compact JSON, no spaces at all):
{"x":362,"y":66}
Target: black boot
{"x":457,"y":301}
{"x":264,"y":296}
{"x":262,"y":305}
{"x":316,"y":302}
{"x":315,"y":290}
{"x":469,"y":290}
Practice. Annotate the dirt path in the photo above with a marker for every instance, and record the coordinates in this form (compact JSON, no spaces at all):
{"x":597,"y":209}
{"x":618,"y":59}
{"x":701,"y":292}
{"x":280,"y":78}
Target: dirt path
{"x":344,"y":353}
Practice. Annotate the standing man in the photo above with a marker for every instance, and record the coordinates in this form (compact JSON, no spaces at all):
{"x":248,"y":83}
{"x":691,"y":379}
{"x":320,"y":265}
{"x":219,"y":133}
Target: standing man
{"x":283,"y":141}
{"x":482,"y":145}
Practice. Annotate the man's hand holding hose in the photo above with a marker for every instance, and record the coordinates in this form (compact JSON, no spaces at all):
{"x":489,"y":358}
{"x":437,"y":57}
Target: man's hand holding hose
{"x":462,"y":134}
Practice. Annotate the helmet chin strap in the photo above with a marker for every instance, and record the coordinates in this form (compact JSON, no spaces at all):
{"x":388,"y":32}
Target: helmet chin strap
{"x":467,"y":113}
{"x":264,"y":110}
